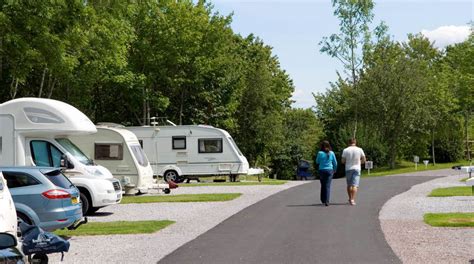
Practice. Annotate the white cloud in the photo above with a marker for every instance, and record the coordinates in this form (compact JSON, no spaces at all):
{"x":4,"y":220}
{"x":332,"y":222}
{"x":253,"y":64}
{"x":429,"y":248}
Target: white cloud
{"x":447,"y":35}
{"x":302,"y":98}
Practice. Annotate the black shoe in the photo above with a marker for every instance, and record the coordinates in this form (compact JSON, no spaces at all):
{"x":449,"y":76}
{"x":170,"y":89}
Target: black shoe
{"x":326,"y":204}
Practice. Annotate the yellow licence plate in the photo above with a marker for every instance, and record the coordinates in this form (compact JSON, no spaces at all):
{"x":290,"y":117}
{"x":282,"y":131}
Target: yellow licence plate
{"x":74,"y":200}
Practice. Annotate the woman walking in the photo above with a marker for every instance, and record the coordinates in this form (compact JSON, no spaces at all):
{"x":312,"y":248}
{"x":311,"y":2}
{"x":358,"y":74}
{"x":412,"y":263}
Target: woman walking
{"x":327,"y":166}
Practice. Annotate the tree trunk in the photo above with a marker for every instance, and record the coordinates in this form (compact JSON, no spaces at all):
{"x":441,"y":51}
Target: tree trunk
{"x":1,"y":60}
{"x":42,"y":82}
{"x":181,"y":107}
{"x":143,"y":122}
{"x":52,"y":88}
{"x":433,"y":147}
{"x":14,"y":88}
{"x":466,"y":131}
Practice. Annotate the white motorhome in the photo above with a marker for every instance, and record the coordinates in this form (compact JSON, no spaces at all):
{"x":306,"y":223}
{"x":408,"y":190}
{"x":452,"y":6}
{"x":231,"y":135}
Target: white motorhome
{"x":178,"y":152}
{"x":36,"y":131}
{"x":120,"y":152}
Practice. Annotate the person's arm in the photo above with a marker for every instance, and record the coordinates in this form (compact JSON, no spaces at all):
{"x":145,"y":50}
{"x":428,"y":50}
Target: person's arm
{"x":343,"y":158}
{"x":362,"y":157}
{"x":334,"y":161}
{"x":317,"y":158}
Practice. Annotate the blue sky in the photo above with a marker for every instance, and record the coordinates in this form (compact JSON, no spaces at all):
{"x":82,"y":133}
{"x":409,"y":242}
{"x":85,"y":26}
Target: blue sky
{"x":294,"y":28}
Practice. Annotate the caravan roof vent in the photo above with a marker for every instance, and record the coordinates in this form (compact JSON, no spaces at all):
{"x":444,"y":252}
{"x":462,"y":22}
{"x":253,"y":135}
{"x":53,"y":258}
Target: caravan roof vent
{"x":41,"y":116}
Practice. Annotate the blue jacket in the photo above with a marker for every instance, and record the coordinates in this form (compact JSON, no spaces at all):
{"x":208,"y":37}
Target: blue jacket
{"x":325,"y":161}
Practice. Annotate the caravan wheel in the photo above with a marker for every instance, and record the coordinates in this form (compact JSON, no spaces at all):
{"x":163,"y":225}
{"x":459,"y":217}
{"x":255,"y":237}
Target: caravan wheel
{"x":171,"y":175}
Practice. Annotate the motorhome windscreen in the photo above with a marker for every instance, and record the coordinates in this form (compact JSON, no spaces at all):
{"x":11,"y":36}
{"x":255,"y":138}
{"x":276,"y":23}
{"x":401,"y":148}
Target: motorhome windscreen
{"x":74,"y":151}
{"x":235,"y":146}
{"x":139,"y":155}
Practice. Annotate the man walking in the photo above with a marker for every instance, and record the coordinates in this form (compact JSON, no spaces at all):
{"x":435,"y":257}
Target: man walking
{"x":353,"y":157}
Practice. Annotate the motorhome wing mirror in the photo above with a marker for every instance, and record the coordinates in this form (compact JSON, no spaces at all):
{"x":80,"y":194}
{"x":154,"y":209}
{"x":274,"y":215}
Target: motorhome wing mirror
{"x":65,"y":163}
{"x":7,"y":241}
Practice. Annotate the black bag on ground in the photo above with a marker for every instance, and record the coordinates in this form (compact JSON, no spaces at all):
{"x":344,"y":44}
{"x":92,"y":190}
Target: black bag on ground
{"x":38,"y":241}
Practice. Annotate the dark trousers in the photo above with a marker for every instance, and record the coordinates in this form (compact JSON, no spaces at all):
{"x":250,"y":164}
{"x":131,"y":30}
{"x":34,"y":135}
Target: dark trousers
{"x":325,"y":176}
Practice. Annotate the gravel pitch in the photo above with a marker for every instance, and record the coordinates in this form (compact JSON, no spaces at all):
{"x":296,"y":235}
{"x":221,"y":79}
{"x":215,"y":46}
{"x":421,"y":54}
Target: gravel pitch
{"x":192,"y":220}
{"x":416,"y":242}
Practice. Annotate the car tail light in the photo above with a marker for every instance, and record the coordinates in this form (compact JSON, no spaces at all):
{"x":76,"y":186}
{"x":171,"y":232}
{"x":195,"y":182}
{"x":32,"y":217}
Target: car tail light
{"x":56,"y":194}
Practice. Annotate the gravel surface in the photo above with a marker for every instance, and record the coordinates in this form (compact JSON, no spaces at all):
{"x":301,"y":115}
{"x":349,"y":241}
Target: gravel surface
{"x":416,"y":242}
{"x":192,"y":220}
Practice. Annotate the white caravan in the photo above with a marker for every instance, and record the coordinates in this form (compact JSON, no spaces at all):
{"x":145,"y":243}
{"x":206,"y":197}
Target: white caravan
{"x":35,"y":132}
{"x":8,"y":220}
{"x":120,"y":152}
{"x":177,"y":152}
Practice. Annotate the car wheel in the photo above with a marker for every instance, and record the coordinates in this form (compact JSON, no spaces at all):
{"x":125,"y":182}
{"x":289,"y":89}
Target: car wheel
{"x":86,"y":203}
{"x":171,"y":175}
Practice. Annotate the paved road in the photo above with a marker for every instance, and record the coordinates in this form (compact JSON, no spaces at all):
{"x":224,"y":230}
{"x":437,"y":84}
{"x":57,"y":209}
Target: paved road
{"x":292,"y":227}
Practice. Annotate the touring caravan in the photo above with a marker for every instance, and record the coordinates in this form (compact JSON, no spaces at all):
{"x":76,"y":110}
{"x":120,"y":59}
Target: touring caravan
{"x":178,"y":152}
{"x":36,"y":131}
{"x":120,"y":152}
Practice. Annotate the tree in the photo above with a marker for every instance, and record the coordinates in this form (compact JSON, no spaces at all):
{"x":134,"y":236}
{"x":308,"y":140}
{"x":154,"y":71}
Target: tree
{"x":354,"y":19}
{"x":460,"y":74}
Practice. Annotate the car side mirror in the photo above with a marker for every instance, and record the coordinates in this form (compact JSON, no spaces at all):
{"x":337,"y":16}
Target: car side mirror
{"x":7,"y":241}
{"x":65,"y":163}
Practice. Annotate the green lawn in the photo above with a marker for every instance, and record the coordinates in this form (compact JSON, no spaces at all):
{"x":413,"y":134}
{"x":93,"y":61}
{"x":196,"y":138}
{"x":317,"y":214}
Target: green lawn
{"x":116,"y":228}
{"x":450,"y":219}
{"x":406,"y":166}
{"x":181,"y":198}
{"x":451,"y":191}
{"x":244,"y":181}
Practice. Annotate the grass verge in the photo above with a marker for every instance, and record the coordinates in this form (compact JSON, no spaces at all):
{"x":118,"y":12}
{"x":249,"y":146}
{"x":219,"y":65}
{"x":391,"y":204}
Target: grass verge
{"x":116,"y":228}
{"x":181,"y":198}
{"x":242,"y":183}
{"x":451,"y":191}
{"x":406,"y":166}
{"x":450,"y":219}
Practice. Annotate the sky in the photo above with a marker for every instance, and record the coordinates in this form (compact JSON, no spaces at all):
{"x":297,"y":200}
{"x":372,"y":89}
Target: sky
{"x":295,"y":27}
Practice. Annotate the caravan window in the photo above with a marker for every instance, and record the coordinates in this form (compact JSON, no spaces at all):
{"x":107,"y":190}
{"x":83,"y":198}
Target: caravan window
{"x":139,"y":155}
{"x":104,"y":151}
{"x":45,"y":154}
{"x":179,"y":142}
{"x":235,"y":146}
{"x":210,"y":145}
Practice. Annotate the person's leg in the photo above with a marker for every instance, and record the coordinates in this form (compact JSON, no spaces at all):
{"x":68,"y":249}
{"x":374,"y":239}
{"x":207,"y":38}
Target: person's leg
{"x":323,"y":180}
{"x":349,"y":184}
{"x":355,"y":185}
{"x":328,"y":187}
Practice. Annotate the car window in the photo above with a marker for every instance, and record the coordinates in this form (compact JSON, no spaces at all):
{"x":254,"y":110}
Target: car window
{"x":19,"y":179}
{"x":58,"y":179}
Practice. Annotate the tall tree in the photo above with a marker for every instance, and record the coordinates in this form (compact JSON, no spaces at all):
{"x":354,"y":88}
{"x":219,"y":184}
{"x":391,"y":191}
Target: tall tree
{"x":459,"y":59}
{"x":354,"y":19}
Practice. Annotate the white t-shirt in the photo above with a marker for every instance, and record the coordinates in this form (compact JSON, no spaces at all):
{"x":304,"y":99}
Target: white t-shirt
{"x":352,"y":155}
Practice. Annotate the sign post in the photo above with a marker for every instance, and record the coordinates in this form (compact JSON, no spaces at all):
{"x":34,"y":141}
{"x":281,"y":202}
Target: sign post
{"x":416,"y":159}
{"x":426,"y":163}
{"x":369,"y":165}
